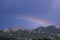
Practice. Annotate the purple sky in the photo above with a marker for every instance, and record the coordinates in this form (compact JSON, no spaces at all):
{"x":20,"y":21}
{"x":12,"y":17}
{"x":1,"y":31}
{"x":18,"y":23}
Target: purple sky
{"x":48,"y":10}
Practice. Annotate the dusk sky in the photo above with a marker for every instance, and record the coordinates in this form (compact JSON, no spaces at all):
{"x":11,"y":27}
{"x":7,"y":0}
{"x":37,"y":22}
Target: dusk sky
{"x":46,"y":10}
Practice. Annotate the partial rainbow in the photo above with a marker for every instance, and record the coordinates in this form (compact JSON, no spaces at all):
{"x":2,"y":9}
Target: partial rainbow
{"x":36,"y":20}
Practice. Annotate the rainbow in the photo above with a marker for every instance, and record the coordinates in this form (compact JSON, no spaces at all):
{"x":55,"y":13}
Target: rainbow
{"x":36,"y":20}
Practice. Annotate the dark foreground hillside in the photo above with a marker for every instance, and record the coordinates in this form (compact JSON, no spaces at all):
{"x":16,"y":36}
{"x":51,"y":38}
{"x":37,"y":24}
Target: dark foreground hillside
{"x":4,"y":38}
{"x":40,"y":33}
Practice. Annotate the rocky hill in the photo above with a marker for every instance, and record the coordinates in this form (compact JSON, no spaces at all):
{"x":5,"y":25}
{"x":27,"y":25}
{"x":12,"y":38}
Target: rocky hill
{"x":39,"y":33}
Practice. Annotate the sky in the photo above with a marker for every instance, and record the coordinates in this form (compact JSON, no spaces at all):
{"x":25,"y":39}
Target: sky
{"x":48,"y":10}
